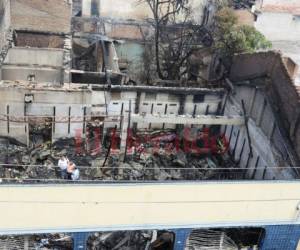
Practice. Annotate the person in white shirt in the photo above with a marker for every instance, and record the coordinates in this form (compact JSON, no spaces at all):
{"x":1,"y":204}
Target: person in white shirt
{"x":73,"y":172}
{"x":75,"y":175}
{"x":63,"y":165}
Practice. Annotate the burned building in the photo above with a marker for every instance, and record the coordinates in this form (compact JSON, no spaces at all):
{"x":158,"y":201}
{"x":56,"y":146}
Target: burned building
{"x":56,"y":86}
{"x":247,"y":115}
{"x":70,"y":86}
{"x":36,"y":45}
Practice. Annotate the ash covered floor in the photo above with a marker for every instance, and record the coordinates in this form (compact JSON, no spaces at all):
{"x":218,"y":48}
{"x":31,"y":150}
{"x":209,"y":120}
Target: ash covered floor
{"x":22,"y":164}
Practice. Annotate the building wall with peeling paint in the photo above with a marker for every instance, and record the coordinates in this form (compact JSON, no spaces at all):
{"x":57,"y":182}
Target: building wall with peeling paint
{"x":267,"y":143}
{"x":130,"y":9}
{"x":135,"y":9}
{"x":280,"y":89}
{"x":44,"y":64}
{"x":45,"y":101}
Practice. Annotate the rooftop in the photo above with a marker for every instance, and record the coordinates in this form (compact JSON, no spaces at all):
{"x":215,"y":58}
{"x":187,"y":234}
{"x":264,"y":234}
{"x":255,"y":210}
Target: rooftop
{"x":293,"y":8}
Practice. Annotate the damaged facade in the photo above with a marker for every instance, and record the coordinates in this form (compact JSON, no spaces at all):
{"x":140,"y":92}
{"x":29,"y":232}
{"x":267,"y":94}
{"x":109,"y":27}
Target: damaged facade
{"x":71,"y":85}
{"x":75,"y":88}
{"x":35,"y":46}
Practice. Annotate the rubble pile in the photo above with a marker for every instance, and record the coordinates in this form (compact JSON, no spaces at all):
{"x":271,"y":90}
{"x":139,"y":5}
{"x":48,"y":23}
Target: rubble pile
{"x":179,"y":166}
{"x":170,"y":167}
{"x":34,"y":242}
{"x":131,"y":240}
{"x":40,"y":163}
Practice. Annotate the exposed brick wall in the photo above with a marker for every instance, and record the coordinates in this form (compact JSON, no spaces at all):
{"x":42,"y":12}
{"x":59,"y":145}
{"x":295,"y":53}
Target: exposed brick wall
{"x":282,"y":90}
{"x":41,"y":15}
{"x":39,"y":40}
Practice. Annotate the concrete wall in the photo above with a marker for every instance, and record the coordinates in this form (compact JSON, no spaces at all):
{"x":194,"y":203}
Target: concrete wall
{"x":129,"y":9}
{"x":45,"y":64}
{"x":279,"y":26}
{"x":99,"y":99}
{"x":86,"y":7}
{"x":281,"y":90}
{"x":49,"y":100}
{"x":209,"y":105}
{"x":37,"y":56}
{"x":266,"y":140}
{"x":151,"y":103}
{"x":12,"y":100}
{"x":163,"y":103}
{"x":134,"y":9}
{"x":45,"y":100}
{"x":42,"y":74}
{"x":158,"y":103}
{"x":118,"y":104}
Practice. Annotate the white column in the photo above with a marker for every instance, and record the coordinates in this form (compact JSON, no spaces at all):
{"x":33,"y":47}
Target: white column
{"x":86,"y":7}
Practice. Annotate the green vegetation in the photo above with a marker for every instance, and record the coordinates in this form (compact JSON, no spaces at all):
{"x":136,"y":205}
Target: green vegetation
{"x":231,"y":38}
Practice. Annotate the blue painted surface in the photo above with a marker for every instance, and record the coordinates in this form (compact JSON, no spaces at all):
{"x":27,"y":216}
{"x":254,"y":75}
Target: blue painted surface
{"x":181,"y":236}
{"x":281,"y":237}
{"x":80,"y":240}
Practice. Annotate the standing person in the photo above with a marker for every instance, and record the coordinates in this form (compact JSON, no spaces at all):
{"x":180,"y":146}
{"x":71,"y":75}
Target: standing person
{"x":73,"y":172}
{"x":75,"y":175}
{"x":63,"y":165}
{"x":70,"y":169}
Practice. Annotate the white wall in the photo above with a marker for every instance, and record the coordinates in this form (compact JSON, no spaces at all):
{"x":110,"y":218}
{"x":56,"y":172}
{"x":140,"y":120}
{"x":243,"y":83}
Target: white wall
{"x":86,"y":7}
{"x":38,"y":56}
{"x":115,"y":106}
{"x":21,"y":73}
{"x":99,"y":101}
{"x":282,"y":29}
{"x":279,"y":26}
{"x":124,"y":9}
{"x":12,"y":97}
{"x":161,"y":103}
{"x":43,"y":105}
{"x":133,"y":9}
{"x":45,"y":64}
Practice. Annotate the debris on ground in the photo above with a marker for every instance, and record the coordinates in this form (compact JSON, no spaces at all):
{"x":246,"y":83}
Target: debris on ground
{"x":37,"y":242}
{"x":131,"y":240}
{"x":40,"y":163}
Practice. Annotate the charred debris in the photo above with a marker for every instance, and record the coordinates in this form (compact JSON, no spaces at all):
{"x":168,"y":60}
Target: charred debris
{"x":139,"y":99}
